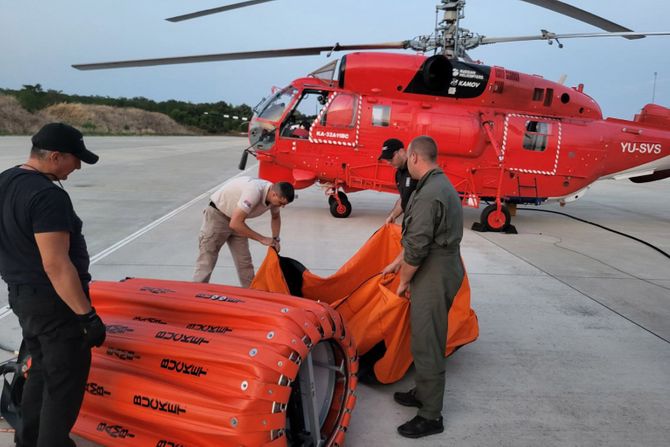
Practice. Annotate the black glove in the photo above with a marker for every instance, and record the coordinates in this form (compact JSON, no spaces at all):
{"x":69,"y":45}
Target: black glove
{"x":93,"y":327}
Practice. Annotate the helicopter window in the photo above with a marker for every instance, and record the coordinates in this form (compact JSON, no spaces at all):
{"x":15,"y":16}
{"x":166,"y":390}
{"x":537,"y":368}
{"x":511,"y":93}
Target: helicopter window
{"x":549,"y":97}
{"x":298,"y":122}
{"x":274,"y":107}
{"x":536,"y":136}
{"x":342,"y":111}
{"x":538,"y":94}
{"x":381,"y":116}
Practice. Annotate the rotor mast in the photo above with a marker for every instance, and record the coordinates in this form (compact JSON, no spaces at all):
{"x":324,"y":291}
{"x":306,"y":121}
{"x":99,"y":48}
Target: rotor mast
{"x":448,"y":31}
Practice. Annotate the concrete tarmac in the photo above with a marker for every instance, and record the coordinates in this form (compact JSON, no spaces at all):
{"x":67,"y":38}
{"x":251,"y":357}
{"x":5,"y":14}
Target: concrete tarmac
{"x":574,"y":346}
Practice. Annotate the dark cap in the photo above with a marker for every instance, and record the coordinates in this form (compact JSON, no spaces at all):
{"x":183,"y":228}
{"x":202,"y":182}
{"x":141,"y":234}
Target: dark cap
{"x":390,"y":147}
{"x":60,"y":137}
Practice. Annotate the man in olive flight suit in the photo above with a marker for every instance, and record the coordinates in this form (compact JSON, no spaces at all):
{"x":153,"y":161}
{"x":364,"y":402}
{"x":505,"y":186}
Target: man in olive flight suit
{"x":430,"y":267}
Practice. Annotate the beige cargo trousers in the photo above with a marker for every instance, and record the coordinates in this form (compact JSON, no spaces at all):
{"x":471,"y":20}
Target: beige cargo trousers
{"x":214,"y":232}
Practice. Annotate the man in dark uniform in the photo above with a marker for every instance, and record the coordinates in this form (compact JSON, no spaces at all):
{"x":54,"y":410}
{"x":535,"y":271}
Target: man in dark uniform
{"x":430,"y":267}
{"x":393,"y":151}
{"x":44,"y":261}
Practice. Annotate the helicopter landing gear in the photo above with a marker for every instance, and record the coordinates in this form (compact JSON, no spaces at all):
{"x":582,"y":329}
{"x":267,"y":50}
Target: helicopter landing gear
{"x":340,"y":206}
{"x":494,"y":219}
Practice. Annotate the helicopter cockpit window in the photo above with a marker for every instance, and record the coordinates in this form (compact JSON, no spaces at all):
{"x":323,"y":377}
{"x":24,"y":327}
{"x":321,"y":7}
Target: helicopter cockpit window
{"x":274,"y":107}
{"x":381,"y":116}
{"x":299,"y":121}
{"x":536,"y":136}
{"x":341,"y":111}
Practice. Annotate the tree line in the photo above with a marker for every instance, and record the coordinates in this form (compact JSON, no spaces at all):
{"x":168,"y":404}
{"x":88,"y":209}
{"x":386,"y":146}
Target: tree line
{"x":208,"y":117}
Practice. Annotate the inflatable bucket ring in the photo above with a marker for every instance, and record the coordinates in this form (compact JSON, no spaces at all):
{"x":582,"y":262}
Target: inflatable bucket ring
{"x":188,"y":364}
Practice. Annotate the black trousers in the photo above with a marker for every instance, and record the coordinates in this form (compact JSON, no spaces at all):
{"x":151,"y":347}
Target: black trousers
{"x":54,"y":390}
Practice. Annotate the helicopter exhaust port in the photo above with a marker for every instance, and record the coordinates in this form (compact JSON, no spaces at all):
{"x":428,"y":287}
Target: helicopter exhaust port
{"x":437,"y":72}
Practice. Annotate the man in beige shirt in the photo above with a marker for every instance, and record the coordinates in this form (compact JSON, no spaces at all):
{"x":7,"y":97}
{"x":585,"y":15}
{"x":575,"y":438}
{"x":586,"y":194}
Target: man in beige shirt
{"x":224,"y":221}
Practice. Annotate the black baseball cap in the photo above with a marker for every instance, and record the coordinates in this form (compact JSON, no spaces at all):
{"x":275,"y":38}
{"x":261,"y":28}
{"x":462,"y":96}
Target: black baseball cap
{"x":61,"y":137}
{"x":390,"y":147}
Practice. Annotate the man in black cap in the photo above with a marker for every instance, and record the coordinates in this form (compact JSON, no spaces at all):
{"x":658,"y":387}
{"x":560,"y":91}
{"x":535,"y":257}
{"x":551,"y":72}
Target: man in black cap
{"x":394,"y":153}
{"x":44,"y":261}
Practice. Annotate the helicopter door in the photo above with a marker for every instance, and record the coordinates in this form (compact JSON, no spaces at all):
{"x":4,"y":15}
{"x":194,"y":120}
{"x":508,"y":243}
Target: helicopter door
{"x":298,"y":123}
{"x":338,"y":122}
{"x":531,"y":144}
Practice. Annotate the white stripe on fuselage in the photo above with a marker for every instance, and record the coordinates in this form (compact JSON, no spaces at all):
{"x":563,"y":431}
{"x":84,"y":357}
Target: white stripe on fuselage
{"x":645,"y":169}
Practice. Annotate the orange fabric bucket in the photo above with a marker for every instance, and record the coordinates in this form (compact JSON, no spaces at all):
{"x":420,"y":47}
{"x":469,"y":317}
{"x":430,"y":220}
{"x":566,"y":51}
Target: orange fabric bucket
{"x":368,"y":303}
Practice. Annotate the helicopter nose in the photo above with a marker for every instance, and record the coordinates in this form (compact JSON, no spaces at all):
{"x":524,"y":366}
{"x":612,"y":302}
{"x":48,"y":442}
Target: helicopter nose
{"x":261,"y":135}
{"x":255,"y":133}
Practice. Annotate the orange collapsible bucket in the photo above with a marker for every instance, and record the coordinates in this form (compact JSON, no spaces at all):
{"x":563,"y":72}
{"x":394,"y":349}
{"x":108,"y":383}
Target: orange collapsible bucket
{"x":191,"y":364}
{"x":373,"y":313}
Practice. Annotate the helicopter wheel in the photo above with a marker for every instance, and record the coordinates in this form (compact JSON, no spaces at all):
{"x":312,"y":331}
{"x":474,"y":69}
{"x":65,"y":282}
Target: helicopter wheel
{"x":341,"y":209}
{"x":494,"y":220}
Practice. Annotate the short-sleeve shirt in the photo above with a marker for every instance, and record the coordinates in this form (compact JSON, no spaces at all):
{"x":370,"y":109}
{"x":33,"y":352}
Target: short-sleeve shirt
{"x":246,"y":193}
{"x":405,"y":184}
{"x":30,"y":203}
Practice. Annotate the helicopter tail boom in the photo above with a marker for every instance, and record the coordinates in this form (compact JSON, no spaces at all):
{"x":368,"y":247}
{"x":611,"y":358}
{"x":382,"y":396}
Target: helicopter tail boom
{"x":655,"y":116}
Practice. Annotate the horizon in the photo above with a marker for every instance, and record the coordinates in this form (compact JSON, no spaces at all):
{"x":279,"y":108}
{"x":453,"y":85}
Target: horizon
{"x":617,"y":73}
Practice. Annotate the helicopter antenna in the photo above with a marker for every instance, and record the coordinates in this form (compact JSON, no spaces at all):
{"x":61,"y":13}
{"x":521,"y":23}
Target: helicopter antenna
{"x":437,"y":13}
{"x":653,"y":91}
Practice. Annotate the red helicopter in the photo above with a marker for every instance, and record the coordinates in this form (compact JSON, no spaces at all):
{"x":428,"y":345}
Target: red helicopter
{"x":504,"y":137}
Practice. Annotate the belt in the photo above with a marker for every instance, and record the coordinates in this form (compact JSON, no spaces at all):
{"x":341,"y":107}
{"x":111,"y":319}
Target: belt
{"x":214,"y":206}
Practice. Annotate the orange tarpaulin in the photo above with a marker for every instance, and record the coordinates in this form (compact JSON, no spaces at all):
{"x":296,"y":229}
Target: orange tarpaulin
{"x":368,"y":303}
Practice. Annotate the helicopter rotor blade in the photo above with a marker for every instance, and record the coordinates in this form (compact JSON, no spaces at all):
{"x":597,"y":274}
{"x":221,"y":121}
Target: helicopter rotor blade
{"x":206,"y":12}
{"x":583,"y":16}
{"x":546,"y":35}
{"x":288,"y":52}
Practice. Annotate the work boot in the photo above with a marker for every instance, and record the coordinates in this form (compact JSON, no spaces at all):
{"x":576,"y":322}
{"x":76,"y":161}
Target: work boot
{"x":420,"y":427}
{"x":407,"y":399}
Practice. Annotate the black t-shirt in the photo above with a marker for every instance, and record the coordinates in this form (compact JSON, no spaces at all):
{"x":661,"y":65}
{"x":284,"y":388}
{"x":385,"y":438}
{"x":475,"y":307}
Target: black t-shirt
{"x":30,"y":203}
{"x":406,"y":185}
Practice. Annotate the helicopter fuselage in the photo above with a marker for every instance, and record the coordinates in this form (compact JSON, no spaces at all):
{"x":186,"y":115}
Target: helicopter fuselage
{"x":501,"y":134}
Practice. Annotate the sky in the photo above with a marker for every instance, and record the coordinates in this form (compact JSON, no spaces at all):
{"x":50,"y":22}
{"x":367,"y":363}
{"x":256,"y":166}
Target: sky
{"x":40,"y":39}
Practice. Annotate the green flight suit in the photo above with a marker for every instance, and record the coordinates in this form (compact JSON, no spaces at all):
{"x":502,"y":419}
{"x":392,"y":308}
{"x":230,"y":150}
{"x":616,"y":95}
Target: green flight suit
{"x":431,"y":237}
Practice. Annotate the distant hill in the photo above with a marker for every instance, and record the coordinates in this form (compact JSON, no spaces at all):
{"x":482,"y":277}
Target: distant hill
{"x":93,"y":119}
{"x":22,"y":111}
{"x":90,"y":119}
{"x":16,"y":120}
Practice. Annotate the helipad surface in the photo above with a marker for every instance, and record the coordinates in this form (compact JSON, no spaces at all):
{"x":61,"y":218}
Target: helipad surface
{"x":574,"y":344}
